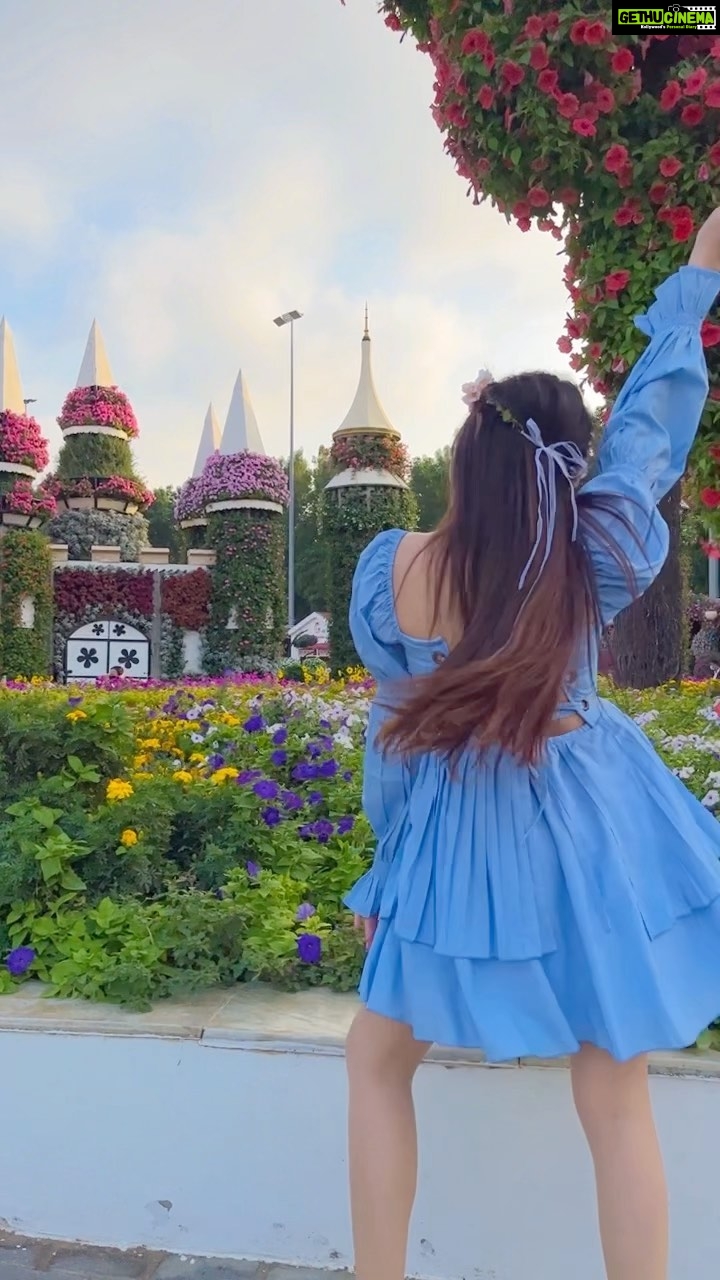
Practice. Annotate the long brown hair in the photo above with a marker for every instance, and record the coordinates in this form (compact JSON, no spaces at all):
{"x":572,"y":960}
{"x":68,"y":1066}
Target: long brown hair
{"x":502,"y":682}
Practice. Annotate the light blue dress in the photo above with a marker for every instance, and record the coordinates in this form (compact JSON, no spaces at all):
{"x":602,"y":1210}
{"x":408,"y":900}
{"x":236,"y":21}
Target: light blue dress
{"x":524,"y":911}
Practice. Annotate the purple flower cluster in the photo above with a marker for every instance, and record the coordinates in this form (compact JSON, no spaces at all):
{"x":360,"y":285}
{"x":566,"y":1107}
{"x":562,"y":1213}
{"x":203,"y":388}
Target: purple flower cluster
{"x":234,"y":475}
{"x":309,"y":948}
{"x":19,"y":961}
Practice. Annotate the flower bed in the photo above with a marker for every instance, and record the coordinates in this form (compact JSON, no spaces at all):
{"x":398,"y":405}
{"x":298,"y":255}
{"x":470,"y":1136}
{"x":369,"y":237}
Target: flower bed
{"x":22,"y":442}
{"x":240,"y":475}
{"x":99,"y":406}
{"x":167,"y":838}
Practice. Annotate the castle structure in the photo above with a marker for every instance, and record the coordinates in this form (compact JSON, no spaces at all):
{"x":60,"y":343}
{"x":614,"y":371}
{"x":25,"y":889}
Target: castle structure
{"x":112,"y":601}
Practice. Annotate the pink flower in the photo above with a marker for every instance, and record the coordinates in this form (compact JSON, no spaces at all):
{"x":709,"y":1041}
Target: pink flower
{"x":568,"y":105}
{"x":693,"y":113}
{"x":670,"y":96}
{"x":669,"y":166}
{"x":99,"y":406}
{"x":617,"y":158}
{"x":585,"y":128}
{"x":513,"y":74}
{"x":616,"y":281}
{"x":622,"y":62}
{"x":694,"y":83}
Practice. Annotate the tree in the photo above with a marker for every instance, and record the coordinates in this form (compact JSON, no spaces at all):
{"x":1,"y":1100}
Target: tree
{"x":429,"y":482}
{"x":311,"y":552}
{"x":163,"y":530}
{"x":610,"y":145}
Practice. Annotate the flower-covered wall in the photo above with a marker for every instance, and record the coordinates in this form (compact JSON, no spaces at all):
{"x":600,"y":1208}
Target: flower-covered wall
{"x":99,"y":495}
{"x":352,"y":514}
{"x":25,"y":561}
{"x":237,"y":507}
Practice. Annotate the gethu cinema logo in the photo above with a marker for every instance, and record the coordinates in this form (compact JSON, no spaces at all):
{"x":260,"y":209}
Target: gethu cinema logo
{"x":677,"y":16}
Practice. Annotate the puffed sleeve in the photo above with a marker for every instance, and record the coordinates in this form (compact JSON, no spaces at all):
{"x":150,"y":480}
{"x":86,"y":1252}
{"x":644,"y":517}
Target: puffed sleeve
{"x":647,"y":441}
{"x":386,"y":778}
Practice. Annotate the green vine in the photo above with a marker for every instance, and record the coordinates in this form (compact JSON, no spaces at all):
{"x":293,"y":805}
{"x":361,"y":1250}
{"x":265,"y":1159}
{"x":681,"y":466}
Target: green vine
{"x":247,"y":594}
{"x":95,"y":455}
{"x":25,"y":572}
{"x":351,"y":518}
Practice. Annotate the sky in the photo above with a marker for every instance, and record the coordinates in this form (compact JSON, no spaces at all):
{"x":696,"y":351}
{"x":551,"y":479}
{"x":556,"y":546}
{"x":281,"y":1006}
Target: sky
{"x":185,"y":170}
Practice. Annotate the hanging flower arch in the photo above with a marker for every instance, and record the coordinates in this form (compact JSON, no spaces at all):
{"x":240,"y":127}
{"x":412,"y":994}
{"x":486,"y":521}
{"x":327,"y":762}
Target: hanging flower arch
{"x":607,"y":143}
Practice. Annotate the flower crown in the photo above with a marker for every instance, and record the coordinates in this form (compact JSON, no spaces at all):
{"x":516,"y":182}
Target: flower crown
{"x":474,"y":392}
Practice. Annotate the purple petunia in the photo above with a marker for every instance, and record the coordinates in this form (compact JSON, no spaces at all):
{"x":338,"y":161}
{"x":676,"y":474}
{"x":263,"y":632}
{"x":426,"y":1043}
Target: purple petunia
{"x":304,"y":772}
{"x":324,"y":724}
{"x":216,"y":761}
{"x":266,"y":789}
{"x":323,"y":830}
{"x":280,"y":738}
{"x":254,"y":724}
{"x":20,"y":960}
{"x":309,"y":948}
{"x":292,"y":801}
{"x":315,"y":797}
{"x":347,"y":776}
{"x":253,"y":870}
{"x":247,"y":775}
{"x":271,"y":817}
{"x":328,"y":769}
{"x":314,"y":750}
{"x":279,"y":758}
{"x":306,"y":831}
{"x":305,"y":911}
{"x":345,"y":825}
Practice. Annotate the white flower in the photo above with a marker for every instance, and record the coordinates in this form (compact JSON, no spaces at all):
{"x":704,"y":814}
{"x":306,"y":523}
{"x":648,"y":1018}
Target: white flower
{"x":712,"y":799}
{"x":713,"y":779}
{"x":196,"y":737}
{"x":472,"y":391}
{"x":646,"y":717}
{"x":686,"y":772}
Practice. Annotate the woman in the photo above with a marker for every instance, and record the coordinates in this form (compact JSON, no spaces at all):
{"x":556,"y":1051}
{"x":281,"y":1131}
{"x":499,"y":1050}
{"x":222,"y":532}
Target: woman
{"x":542,"y":885}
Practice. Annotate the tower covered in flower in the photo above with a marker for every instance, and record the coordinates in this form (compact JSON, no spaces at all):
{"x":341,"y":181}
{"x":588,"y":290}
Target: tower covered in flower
{"x":368,"y":493}
{"x":235,"y":503}
{"x":25,"y":561}
{"x":99,"y":495}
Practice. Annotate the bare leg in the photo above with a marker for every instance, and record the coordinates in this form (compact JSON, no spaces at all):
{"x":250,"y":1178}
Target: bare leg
{"x":382,"y":1059}
{"x":613,"y":1104}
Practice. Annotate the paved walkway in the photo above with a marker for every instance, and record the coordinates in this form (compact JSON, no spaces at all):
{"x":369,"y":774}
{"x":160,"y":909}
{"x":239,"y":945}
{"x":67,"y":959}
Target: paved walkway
{"x":28,"y":1261}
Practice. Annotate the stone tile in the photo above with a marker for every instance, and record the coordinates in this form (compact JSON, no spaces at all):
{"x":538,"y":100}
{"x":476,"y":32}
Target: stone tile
{"x":308,"y":1017}
{"x":14,"y":1261}
{"x":28,"y":1010}
{"x":205,"y":1269}
{"x":10,"y":1272}
{"x":97,"y":1264}
{"x":305,"y":1273}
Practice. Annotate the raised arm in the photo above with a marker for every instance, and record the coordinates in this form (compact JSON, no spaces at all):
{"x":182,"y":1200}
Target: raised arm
{"x":651,"y":430}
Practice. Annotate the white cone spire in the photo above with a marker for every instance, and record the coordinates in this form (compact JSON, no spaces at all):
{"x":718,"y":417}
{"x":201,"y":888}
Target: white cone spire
{"x":95,"y":369}
{"x":11,"y":391}
{"x":241,"y":428}
{"x":209,"y":441}
{"x":366,"y":412}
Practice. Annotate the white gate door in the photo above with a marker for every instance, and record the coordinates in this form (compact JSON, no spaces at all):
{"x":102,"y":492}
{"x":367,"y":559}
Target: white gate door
{"x":94,"y":649}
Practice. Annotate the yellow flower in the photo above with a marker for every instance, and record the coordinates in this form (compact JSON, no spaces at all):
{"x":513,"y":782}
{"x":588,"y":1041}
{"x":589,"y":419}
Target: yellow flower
{"x":197,"y":757}
{"x":182,"y":775}
{"x":129,"y":837}
{"x":149,"y":744}
{"x":72,"y":716}
{"x":231,"y":720}
{"x":118,"y":789}
{"x":223,"y":775}
{"x":140,"y":760}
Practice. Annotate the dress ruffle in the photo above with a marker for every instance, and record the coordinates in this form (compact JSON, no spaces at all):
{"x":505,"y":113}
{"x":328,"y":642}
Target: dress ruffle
{"x":499,"y":871}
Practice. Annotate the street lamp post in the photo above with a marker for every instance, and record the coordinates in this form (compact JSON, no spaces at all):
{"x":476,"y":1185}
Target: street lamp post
{"x":28,"y":400}
{"x":289,"y":318}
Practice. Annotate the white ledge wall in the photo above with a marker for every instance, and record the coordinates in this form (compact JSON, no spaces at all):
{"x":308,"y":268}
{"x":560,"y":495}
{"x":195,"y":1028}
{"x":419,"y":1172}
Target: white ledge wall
{"x":155,"y":1131}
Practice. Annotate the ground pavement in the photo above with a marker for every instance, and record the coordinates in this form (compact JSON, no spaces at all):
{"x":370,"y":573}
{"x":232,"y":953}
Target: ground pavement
{"x":28,"y":1260}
